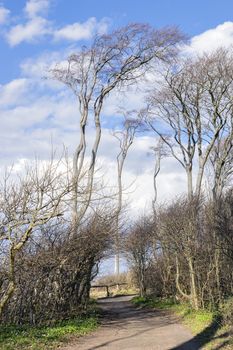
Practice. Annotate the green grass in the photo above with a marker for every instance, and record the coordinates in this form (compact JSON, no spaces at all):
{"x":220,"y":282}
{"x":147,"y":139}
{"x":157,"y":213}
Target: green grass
{"x":46,"y":337}
{"x":204,"y":324}
{"x":198,"y":320}
{"x":153,"y":302}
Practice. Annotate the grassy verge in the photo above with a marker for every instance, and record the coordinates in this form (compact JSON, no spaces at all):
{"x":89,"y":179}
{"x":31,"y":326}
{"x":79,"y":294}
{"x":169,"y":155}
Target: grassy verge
{"x":204,"y":324}
{"x":46,"y":337}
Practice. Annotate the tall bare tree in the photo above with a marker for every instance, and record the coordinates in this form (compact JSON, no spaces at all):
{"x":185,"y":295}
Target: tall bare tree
{"x":159,"y":151}
{"x":111,"y":61}
{"x":193,"y":110}
{"x":125,"y":138}
{"x":221,"y":159}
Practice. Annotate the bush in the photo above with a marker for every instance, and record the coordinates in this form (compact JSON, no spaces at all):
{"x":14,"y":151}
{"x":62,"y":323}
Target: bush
{"x":226,"y":310}
{"x":53,"y":276}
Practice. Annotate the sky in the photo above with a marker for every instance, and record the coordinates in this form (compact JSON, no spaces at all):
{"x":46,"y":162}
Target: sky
{"x":34,"y":34}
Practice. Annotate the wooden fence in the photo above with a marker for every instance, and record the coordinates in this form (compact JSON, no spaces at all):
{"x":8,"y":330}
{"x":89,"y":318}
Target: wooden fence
{"x":107,"y":286}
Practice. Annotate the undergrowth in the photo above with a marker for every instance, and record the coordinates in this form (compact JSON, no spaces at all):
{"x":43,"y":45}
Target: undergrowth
{"x":45,"y":337}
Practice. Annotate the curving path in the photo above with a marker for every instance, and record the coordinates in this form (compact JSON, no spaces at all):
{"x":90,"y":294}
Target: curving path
{"x":125,"y":327}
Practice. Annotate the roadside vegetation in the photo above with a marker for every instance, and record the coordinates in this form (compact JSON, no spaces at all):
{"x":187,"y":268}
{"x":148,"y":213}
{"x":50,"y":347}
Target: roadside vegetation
{"x":45,"y":337}
{"x":60,"y":218}
{"x":208,"y":327}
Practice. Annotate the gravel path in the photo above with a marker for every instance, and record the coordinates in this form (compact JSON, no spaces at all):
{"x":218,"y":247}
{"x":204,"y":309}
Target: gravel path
{"x":125,"y":327}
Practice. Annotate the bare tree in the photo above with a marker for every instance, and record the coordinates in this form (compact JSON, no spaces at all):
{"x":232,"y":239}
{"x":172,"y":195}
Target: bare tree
{"x":221,"y":159}
{"x":139,"y":251}
{"x":125,"y":138}
{"x":112,"y":61}
{"x":193,"y":109}
{"x":178,"y":227}
{"x":26,"y":204}
{"x":53,"y":271}
{"x":160,"y":152}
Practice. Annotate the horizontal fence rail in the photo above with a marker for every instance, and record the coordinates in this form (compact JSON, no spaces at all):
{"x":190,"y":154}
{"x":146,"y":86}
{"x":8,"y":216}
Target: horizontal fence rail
{"x":107,"y":286}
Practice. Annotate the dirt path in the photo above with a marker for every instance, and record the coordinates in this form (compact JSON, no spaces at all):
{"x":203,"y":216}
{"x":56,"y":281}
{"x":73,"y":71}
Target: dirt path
{"x":125,"y":327}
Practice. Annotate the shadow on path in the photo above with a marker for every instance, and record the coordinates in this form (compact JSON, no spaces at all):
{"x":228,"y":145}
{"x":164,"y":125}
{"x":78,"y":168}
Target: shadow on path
{"x":117,"y":340}
{"x":127,"y":327}
{"x":206,"y":336}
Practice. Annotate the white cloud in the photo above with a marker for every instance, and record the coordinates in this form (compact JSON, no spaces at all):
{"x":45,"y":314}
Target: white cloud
{"x":220,"y":36}
{"x":37,"y":67}
{"x":64,"y":128}
{"x":79,"y":31}
{"x":34,"y":8}
{"x":13,"y":92}
{"x":31,"y":31}
{"x":30,"y":123}
{"x":31,"y":114}
{"x":38,"y":27}
{"x":34,"y":26}
{"x":137,"y":175}
{"x":4,"y":13}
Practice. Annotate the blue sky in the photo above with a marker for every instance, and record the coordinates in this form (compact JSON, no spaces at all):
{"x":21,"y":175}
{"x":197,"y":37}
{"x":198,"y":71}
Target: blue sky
{"x":35,"y":34}
{"x":193,"y":17}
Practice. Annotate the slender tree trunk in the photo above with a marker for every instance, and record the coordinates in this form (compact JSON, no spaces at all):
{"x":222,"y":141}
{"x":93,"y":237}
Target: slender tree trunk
{"x":78,"y":160}
{"x":190,"y":181}
{"x":194,"y":296}
{"x":11,"y":285}
{"x":117,"y":259}
{"x":199,"y":178}
{"x":156,"y":172}
{"x":120,"y":163}
{"x":178,"y":287}
{"x":216,"y":196}
{"x":90,"y":176}
{"x":142,"y":285}
{"x":125,"y":140}
{"x":217,"y":273}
